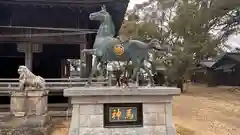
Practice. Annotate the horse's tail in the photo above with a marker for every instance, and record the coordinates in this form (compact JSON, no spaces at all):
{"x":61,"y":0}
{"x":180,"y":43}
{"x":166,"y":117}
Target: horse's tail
{"x":150,"y":62}
{"x":89,"y":51}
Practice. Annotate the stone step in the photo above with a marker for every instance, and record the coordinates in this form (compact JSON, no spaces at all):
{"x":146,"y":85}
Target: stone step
{"x":67,"y":113}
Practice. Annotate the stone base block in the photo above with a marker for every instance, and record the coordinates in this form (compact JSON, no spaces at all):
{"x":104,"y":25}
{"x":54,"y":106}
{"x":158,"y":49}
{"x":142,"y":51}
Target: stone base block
{"x":37,"y":102}
{"x":147,"y":130}
{"x":89,"y":107}
{"x":29,"y":102}
{"x":32,"y":121}
{"x":37,"y":121}
{"x":26,"y":130}
{"x":18,"y":103}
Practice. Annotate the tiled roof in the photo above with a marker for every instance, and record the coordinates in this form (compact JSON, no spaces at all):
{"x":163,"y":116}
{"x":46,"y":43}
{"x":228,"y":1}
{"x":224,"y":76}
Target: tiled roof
{"x":207,"y":63}
{"x":235,"y":56}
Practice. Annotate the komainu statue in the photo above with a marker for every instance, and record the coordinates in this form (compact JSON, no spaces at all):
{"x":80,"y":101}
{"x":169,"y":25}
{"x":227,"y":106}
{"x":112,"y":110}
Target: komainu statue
{"x":28,"y":80}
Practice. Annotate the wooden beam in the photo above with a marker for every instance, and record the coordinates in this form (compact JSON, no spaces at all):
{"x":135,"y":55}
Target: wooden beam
{"x":45,"y":40}
{"x":76,"y":3}
{"x":50,"y":28}
{"x":42,"y":35}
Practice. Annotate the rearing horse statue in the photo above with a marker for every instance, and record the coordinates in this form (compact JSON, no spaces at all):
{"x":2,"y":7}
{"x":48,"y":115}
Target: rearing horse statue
{"x":108,"y":48}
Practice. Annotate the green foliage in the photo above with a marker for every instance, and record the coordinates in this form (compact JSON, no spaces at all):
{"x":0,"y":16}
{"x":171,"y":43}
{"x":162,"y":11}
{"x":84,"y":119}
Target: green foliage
{"x":195,"y":29}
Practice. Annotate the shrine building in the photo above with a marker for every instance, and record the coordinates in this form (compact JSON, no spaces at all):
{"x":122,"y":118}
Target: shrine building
{"x":43,"y":34}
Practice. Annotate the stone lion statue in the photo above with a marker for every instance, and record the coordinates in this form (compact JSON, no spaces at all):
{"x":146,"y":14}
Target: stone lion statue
{"x":28,"y":80}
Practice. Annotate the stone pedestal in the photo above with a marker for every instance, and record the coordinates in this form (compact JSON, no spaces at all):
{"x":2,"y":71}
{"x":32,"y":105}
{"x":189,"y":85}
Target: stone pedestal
{"x":88,"y":110}
{"x":37,"y":102}
{"x":18,"y":103}
{"x":32,"y":104}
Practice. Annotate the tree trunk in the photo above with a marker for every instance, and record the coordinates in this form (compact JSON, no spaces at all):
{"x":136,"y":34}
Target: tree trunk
{"x":180,"y":84}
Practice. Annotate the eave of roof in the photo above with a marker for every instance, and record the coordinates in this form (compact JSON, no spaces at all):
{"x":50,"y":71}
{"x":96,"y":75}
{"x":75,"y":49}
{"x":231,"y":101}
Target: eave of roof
{"x":232,"y":55}
{"x":208,"y":64}
{"x":116,"y":8}
{"x":59,"y":2}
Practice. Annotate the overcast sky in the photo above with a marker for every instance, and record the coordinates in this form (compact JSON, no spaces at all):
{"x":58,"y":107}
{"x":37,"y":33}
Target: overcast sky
{"x":133,"y":2}
{"x":234,"y":41}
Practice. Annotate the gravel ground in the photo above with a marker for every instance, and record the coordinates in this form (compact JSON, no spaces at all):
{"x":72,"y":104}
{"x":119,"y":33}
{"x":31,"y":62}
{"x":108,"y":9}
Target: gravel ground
{"x":199,"y":111}
{"x":207,"y":111}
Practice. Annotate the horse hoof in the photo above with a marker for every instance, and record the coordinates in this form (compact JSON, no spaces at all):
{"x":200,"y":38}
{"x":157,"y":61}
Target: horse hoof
{"x":124,"y":86}
{"x":87,"y":85}
{"x":149,"y":85}
{"x":132,"y":85}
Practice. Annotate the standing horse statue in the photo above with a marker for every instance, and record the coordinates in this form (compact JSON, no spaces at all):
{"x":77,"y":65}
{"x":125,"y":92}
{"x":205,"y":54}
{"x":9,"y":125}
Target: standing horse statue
{"x":108,"y":48}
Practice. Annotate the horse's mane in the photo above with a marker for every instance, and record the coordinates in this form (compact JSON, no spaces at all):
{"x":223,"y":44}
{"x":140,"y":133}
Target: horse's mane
{"x":111,"y":24}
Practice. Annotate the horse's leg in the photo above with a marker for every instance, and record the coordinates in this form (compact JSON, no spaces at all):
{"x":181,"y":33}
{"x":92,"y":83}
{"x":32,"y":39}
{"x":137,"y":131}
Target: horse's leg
{"x":105,"y":69}
{"x":137,"y":64}
{"x":125,"y":70}
{"x":150,"y":81}
{"x":102,"y":67}
{"x":94,"y":70}
{"x":118,"y":81}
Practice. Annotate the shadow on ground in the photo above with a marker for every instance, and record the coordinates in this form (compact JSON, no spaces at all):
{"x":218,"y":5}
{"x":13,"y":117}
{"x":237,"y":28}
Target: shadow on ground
{"x":61,"y":127}
{"x":184,"y":131}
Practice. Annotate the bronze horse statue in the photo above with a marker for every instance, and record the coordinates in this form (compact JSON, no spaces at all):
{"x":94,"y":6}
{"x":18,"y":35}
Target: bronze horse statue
{"x":108,"y":48}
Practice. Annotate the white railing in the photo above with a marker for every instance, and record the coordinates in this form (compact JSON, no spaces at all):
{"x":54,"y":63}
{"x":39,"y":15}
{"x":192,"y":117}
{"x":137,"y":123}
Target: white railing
{"x":53,"y":84}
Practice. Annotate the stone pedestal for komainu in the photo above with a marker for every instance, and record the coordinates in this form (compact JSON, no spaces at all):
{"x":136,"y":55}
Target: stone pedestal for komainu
{"x":32,"y":105}
{"x":28,"y":108}
{"x":89,"y":113}
{"x":31,"y":100}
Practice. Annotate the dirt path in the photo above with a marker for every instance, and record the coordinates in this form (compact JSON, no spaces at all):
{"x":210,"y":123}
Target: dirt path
{"x":207,"y":111}
{"x":199,"y":111}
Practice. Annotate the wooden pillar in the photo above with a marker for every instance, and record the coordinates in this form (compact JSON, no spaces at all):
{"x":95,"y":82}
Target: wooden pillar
{"x":68,"y":68}
{"x":83,"y":59}
{"x":29,"y":49}
{"x":83,"y":71}
{"x":89,"y":57}
{"x":90,"y":41}
{"x":63,"y":68}
{"x":28,"y":56}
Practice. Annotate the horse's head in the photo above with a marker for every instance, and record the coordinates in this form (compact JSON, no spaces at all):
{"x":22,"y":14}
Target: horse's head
{"x":155,"y":43}
{"x":101,"y":15}
{"x":107,"y":27}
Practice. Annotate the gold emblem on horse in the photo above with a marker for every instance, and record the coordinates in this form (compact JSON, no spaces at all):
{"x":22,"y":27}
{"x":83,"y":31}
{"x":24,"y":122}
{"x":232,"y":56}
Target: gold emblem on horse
{"x":118,"y":49}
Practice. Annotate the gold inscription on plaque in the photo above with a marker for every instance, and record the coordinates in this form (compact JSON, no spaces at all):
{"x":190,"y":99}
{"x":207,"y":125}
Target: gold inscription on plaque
{"x":123,"y":114}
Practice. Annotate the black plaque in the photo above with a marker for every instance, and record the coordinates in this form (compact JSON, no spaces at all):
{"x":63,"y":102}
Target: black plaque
{"x":123,"y":115}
